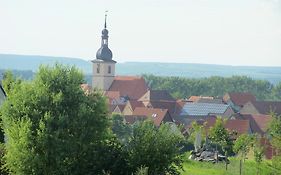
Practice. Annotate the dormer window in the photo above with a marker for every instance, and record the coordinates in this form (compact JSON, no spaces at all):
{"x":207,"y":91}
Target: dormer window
{"x":98,"y":68}
{"x":109,"y":69}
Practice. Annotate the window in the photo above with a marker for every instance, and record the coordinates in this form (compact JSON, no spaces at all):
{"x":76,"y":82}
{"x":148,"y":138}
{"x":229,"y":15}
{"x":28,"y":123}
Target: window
{"x":98,"y":68}
{"x":109,"y":69}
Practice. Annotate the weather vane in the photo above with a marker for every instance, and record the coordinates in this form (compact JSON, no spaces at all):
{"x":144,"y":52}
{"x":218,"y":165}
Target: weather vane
{"x":105,"y":16}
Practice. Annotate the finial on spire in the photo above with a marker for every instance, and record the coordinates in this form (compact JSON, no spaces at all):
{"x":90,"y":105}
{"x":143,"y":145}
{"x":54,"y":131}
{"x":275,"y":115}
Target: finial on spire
{"x":105,"y":16}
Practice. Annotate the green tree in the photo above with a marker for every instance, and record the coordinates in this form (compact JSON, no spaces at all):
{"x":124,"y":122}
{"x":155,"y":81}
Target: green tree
{"x":158,"y":149}
{"x":196,"y":131}
{"x":9,"y":81}
{"x":52,"y":127}
{"x":220,"y":136}
{"x":120,"y":128}
{"x":243,"y":144}
{"x":275,"y":133}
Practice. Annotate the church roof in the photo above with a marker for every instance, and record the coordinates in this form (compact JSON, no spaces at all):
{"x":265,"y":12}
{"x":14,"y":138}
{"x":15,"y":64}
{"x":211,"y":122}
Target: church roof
{"x":131,"y":86}
{"x":104,"y":54}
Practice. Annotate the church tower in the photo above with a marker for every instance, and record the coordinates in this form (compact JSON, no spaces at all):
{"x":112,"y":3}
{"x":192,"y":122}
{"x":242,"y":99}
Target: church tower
{"x":103,"y":65}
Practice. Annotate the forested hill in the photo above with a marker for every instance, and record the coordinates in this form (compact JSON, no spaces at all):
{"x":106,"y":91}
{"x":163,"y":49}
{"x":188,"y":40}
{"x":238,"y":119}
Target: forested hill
{"x":31,"y":63}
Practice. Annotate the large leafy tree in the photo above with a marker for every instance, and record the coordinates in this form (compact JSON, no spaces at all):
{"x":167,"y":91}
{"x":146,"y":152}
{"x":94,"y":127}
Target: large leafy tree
{"x":157,"y":149}
{"x":52,"y":127}
{"x":120,"y":128}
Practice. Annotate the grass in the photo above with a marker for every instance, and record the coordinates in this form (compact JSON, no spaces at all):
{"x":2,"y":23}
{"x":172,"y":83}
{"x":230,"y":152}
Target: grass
{"x":249,"y":167}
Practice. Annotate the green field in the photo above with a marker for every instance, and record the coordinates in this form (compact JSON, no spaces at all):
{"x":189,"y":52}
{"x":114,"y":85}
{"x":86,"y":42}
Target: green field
{"x":248,"y":168}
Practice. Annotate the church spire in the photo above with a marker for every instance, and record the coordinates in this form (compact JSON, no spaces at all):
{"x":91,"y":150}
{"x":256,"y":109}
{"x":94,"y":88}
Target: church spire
{"x":104,"y":53}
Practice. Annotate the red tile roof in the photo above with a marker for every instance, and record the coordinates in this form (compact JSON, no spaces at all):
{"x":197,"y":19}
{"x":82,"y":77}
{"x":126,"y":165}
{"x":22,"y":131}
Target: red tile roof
{"x":240,"y":98}
{"x":112,"y":94}
{"x":135,"y":103}
{"x":131,"y":86}
{"x":170,"y":105}
{"x":157,"y":95}
{"x":259,"y":123}
{"x":265,"y":107}
{"x":239,"y":126}
{"x":157,"y":115}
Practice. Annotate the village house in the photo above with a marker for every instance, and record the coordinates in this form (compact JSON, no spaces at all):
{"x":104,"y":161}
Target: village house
{"x":238,"y":99}
{"x":157,"y":115}
{"x":261,"y":107}
{"x":236,"y":127}
{"x":259,"y":123}
{"x":131,"y":106}
{"x":156,"y":95}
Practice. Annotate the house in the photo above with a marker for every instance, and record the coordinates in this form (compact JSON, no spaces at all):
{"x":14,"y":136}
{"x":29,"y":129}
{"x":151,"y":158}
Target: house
{"x":114,"y":98}
{"x":237,"y":127}
{"x":261,"y":107}
{"x":238,"y":99}
{"x":131,"y":106}
{"x":205,"y":109}
{"x":258,"y":123}
{"x":157,"y":115}
{"x":170,"y":105}
{"x":118,"y":109}
{"x":2,"y":95}
{"x":156,"y":95}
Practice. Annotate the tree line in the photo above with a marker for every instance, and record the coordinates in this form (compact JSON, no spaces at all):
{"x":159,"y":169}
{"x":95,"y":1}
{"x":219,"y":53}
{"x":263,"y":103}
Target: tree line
{"x":180,"y":87}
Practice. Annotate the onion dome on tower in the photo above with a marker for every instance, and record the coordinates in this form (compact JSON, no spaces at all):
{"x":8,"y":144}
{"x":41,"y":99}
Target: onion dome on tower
{"x":104,"y":53}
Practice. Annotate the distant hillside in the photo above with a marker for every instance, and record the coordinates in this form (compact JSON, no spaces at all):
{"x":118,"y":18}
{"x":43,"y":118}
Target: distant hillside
{"x":25,"y":62}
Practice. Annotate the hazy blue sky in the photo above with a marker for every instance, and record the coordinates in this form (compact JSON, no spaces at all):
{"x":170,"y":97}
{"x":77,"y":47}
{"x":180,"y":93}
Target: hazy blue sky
{"x":235,"y":32}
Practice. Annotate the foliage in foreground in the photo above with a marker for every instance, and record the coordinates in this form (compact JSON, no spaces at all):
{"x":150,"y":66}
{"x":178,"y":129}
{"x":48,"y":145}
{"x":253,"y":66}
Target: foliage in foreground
{"x":52,"y":127}
{"x":150,"y":148}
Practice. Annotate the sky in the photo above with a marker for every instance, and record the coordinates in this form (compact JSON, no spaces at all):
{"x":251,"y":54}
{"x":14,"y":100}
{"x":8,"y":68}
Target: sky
{"x":229,"y":32}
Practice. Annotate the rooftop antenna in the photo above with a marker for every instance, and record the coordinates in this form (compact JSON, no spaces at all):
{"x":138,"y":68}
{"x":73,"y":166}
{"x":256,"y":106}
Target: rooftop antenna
{"x":105,"y":16}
